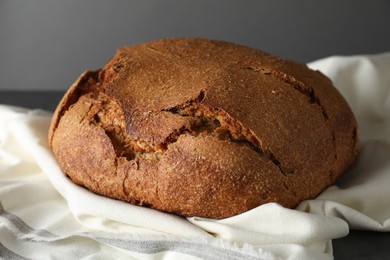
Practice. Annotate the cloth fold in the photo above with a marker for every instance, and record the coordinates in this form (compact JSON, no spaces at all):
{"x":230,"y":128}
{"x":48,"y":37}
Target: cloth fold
{"x":43,"y":215}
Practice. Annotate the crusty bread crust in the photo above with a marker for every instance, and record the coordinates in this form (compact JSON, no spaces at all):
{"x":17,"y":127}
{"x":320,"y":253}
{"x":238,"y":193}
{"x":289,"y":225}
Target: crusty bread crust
{"x":203,"y":128}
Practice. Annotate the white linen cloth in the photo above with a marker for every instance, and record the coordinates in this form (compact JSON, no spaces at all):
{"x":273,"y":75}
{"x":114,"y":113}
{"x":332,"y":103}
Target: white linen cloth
{"x":45,"y":216}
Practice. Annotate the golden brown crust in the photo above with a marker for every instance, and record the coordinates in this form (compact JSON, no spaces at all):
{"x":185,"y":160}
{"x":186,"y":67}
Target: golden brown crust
{"x":203,"y":128}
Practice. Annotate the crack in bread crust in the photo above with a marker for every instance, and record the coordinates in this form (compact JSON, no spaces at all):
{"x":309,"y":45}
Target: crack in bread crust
{"x":83,"y":85}
{"x":296,"y":84}
{"x":226,"y":128}
{"x":106,"y":113}
{"x":305,"y":90}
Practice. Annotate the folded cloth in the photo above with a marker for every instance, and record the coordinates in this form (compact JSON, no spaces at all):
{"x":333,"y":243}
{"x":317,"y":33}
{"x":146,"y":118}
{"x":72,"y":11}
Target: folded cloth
{"x":362,"y":196}
{"x":43,"y":215}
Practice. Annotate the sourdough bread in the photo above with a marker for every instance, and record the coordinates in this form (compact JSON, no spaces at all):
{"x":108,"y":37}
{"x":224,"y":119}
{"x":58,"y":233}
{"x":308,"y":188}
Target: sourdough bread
{"x":203,"y":128}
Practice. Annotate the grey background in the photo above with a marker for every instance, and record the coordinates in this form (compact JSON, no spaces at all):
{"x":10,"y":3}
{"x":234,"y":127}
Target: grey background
{"x":46,"y":44}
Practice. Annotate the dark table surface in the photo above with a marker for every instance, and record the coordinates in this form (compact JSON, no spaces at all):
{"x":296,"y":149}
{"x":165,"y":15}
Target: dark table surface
{"x":357,"y":245}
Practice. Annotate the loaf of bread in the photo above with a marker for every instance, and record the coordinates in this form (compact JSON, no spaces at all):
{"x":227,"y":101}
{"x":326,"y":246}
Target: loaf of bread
{"x":203,"y":128}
